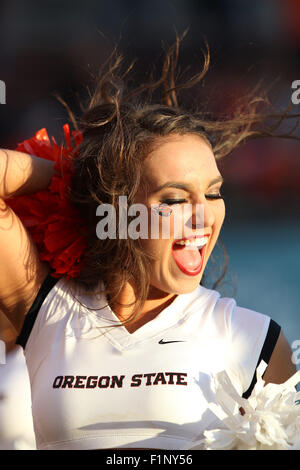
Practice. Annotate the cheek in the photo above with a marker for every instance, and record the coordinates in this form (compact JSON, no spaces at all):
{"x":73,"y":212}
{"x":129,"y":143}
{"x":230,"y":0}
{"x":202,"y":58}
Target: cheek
{"x":160,"y":236}
{"x":221,"y":213}
{"x":219,"y":216}
{"x":157,"y":248}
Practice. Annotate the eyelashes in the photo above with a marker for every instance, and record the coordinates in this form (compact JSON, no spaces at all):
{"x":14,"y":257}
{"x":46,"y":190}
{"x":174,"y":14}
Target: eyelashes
{"x":171,"y":202}
{"x":214,"y":196}
{"x":163,"y":209}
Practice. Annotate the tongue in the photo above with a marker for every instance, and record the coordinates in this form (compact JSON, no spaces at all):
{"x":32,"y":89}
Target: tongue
{"x":187,"y":257}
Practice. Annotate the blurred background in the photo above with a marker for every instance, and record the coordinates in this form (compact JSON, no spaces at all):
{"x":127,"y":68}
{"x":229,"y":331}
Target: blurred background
{"x":55,"y":47}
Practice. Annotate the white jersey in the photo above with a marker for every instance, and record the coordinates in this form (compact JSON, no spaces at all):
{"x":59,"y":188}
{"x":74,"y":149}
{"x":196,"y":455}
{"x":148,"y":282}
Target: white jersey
{"x":97,"y":386}
{"x":16,"y":427}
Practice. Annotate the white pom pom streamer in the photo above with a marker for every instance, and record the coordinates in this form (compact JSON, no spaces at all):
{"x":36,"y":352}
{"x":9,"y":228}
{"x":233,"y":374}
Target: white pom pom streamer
{"x":270,"y":419}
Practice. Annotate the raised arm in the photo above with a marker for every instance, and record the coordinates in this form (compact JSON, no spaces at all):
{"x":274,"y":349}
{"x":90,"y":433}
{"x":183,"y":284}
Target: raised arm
{"x":21,"y":173}
{"x":21,"y":271}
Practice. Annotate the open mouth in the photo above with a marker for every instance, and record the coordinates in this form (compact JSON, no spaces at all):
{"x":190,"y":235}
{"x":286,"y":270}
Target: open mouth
{"x":188,"y":254}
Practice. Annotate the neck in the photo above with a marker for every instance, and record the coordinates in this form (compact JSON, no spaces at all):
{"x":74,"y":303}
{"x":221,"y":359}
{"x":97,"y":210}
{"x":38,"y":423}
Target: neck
{"x":154,"y":304}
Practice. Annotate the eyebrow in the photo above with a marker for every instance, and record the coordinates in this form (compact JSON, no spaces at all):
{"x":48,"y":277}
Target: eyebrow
{"x":185,"y":186}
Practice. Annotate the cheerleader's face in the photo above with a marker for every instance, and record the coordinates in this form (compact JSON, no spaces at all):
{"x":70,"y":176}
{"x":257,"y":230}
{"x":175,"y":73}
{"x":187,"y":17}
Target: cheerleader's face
{"x":181,"y":173}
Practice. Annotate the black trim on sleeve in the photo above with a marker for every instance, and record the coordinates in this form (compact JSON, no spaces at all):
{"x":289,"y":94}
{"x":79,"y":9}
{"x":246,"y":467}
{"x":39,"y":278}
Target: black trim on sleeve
{"x":266,"y":352}
{"x":44,"y":290}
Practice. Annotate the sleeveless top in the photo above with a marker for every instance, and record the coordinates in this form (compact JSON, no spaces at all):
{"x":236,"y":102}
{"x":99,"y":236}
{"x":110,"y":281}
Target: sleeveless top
{"x":94,"y":385}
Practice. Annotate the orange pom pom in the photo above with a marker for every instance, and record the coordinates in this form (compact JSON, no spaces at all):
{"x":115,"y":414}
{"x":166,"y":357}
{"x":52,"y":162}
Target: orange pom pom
{"x":53,"y":222}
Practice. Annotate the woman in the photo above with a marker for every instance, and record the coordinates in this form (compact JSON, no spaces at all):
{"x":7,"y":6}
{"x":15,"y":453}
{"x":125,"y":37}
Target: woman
{"x":122,"y":354}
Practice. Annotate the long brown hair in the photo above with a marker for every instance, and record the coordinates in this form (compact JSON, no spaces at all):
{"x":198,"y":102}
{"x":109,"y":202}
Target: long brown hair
{"x":120,"y":127}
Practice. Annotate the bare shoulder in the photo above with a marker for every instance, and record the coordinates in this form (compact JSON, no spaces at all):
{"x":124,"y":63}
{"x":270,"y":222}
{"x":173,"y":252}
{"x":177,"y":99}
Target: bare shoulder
{"x":281,"y":366}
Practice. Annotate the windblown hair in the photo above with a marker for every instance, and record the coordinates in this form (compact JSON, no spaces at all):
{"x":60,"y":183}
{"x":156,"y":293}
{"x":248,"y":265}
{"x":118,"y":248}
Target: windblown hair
{"x":120,"y":127}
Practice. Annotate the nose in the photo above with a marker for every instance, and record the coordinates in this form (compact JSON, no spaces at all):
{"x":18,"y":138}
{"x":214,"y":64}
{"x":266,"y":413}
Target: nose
{"x":203,"y":215}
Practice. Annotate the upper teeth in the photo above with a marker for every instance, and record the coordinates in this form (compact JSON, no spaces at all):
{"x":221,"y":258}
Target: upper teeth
{"x":193,"y":242}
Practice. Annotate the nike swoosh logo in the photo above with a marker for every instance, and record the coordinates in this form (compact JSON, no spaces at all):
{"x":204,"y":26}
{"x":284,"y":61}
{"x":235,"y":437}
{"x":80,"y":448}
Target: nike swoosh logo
{"x":167,"y":342}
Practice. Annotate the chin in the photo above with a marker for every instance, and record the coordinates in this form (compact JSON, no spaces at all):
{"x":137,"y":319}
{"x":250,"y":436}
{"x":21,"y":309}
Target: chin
{"x":182,"y":286}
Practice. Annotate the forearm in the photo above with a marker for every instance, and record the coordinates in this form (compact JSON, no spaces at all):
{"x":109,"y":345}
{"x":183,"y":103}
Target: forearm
{"x":21,"y":173}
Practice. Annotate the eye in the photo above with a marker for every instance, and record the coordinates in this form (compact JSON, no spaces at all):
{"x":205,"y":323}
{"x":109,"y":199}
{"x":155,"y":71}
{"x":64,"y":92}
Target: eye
{"x":216,"y":195}
{"x":170,"y":202}
{"x":163,"y":208}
